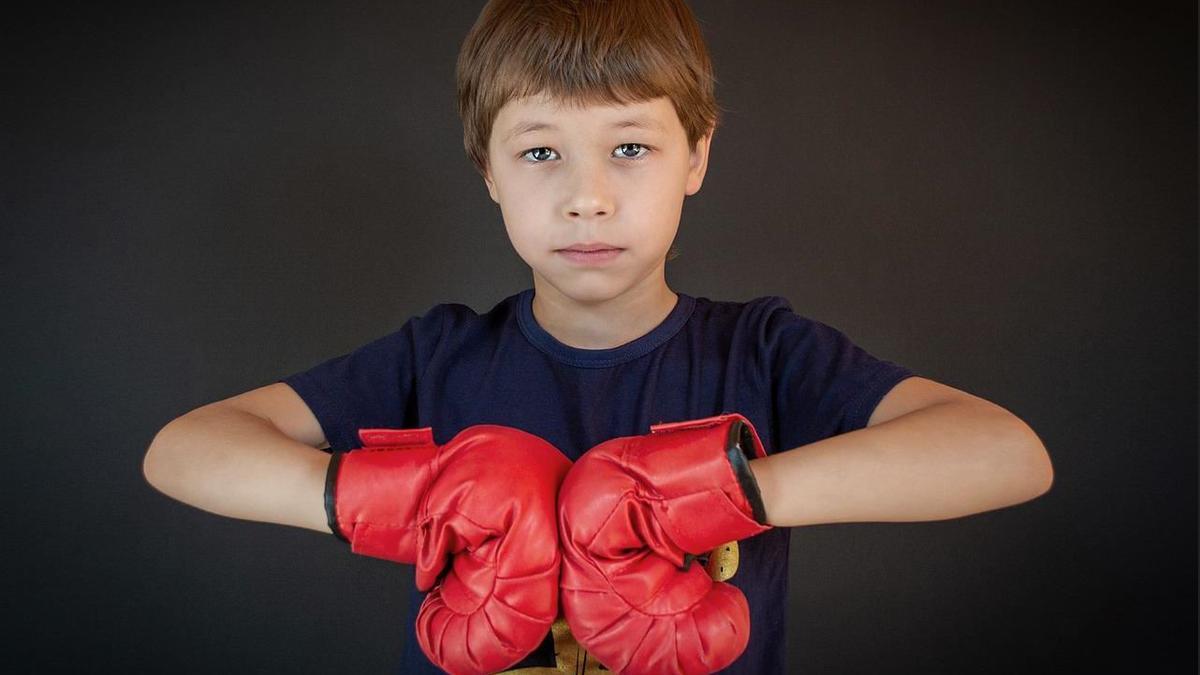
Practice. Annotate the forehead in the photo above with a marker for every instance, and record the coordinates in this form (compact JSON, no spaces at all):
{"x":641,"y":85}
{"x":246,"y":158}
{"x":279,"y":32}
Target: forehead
{"x":538,"y":113}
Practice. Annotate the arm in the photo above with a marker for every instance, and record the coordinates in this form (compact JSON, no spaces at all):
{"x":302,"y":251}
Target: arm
{"x":489,"y":602}
{"x":929,"y":452}
{"x":225,"y":459}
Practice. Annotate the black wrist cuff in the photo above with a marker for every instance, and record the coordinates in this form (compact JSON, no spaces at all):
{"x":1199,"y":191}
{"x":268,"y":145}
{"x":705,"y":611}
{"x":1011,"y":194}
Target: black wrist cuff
{"x":738,"y":450}
{"x":335,"y":462}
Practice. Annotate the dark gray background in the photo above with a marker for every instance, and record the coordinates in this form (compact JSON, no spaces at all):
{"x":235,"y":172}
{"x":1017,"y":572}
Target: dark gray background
{"x":199,"y":200}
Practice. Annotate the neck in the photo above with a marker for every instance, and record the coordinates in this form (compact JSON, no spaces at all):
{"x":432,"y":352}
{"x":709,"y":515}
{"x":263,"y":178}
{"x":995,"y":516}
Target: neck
{"x":602,"y":324}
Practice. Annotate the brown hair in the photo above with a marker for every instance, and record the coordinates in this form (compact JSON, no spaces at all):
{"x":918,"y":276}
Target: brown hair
{"x":583,"y":52}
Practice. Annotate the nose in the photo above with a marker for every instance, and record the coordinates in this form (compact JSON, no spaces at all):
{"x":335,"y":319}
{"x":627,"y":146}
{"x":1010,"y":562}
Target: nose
{"x":590,"y":193}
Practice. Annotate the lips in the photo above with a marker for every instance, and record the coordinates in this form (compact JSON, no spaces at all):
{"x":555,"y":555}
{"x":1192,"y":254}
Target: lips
{"x":596,"y":257}
{"x":591,"y":247}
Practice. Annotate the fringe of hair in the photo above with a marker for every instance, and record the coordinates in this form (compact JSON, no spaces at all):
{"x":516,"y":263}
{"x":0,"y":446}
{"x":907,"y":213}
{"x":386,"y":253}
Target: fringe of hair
{"x":583,"y":52}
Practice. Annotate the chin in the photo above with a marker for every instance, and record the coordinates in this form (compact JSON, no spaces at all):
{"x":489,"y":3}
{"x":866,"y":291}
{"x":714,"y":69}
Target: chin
{"x":586,"y":291}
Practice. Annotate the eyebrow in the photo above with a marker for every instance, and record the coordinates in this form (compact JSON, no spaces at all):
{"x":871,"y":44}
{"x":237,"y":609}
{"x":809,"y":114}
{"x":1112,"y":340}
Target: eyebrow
{"x":530,"y":126}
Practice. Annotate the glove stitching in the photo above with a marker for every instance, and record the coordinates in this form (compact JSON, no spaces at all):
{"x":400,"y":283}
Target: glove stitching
{"x":677,"y":612}
{"x":531,"y":617}
{"x":588,"y":545}
{"x":556,"y":563}
{"x":612,"y":589}
{"x":500,"y":637}
{"x":494,"y":534}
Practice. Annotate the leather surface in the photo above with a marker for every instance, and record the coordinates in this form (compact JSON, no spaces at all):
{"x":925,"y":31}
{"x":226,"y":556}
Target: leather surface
{"x":630,"y":512}
{"x":476,"y":517}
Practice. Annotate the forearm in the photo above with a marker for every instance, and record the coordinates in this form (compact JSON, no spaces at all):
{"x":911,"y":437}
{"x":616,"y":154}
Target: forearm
{"x":236,"y":464}
{"x":945,"y":461}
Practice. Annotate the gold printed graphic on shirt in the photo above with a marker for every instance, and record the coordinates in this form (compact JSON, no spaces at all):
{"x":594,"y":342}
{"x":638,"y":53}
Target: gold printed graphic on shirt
{"x":569,"y":657}
{"x":723,"y":562}
{"x":573,"y":659}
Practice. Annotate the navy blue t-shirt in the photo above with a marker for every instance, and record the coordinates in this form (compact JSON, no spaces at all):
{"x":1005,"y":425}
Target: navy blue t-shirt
{"x":797,"y":380}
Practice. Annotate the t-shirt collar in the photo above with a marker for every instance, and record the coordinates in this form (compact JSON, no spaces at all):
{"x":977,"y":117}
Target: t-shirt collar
{"x":601,"y":358}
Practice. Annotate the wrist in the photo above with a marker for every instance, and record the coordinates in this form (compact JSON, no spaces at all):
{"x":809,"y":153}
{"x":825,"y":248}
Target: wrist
{"x":373,"y":493}
{"x":763,"y":476}
{"x":690,"y":462}
{"x":743,"y":446}
{"x":331,"y":472}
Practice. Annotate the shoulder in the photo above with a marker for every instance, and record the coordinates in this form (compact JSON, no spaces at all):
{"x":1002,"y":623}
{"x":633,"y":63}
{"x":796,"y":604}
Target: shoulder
{"x":448,"y":315}
{"x":756,"y":310}
{"x":782,"y":324}
{"x":766,"y":320}
{"x":454,"y":326}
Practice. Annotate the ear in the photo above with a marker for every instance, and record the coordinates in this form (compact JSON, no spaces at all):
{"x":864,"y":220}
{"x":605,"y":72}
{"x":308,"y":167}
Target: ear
{"x":698,"y":163}
{"x":491,"y":184}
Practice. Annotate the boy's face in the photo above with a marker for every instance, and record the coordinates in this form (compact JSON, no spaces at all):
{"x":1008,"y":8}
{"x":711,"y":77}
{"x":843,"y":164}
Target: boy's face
{"x":613,"y":174}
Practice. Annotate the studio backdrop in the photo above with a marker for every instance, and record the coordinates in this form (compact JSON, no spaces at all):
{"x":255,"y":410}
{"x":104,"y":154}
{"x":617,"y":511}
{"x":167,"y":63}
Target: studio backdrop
{"x":199,"y":199}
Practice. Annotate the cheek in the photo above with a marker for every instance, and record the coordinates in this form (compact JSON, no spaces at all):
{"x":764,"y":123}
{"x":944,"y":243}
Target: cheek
{"x":660,"y":195}
{"x":514,"y":190}
{"x":519,"y":221}
{"x":518,"y":209}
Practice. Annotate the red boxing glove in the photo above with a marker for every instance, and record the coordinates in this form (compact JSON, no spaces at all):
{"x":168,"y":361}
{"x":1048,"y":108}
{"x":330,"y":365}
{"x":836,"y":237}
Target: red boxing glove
{"x":632,"y":514}
{"x":478,"y":510}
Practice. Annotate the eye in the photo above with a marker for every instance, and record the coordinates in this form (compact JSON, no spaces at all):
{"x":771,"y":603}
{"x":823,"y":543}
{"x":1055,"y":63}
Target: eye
{"x":632,"y":151}
{"x":623,"y":149}
{"x":539,"y":155}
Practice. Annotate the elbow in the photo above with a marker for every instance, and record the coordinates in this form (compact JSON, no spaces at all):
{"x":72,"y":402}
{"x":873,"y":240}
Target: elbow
{"x":1046,"y":474}
{"x":1020,"y":468}
{"x":1047,"y":471}
{"x":1037,"y":468}
{"x":152,"y":462}
{"x":156,"y":464}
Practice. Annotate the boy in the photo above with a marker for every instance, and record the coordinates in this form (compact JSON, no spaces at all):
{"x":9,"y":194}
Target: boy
{"x":590,"y":122}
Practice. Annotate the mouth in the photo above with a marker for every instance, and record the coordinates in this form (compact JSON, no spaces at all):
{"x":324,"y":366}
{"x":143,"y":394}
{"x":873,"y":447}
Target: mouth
{"x":591,"y":247}
{"x":593,"y":256}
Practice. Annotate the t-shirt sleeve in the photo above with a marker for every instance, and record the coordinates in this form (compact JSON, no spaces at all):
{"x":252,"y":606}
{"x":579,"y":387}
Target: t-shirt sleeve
{"x":373,"y":386}
{"x":822,"y":383}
